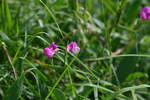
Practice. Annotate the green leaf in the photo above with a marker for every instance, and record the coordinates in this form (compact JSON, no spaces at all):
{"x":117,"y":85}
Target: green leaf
{"x":135,"y":75}
{"x":144,"y":44}
{"x":73,"y":4}
{"x":89,"y":5}
{"x":121,"y":91}
{"x":127,"y":64}
{"x":144,"y":28}
{"x":80,"y":76}
{"x":58,"y":95}
{"x":110,"y":5}
{"x":60,"y":4}
{"x":14,"y":92}
{"x":132,"y":10}
{"x":40,"y":74}
{"x":5,"y":37}
{"x":8,"y":16}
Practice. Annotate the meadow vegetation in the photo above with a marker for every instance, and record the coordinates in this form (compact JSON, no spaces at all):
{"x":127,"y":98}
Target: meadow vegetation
{"x":112,"y":61}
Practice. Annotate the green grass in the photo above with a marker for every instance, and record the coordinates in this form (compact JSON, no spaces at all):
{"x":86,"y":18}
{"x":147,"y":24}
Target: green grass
{"x":113,"y":63}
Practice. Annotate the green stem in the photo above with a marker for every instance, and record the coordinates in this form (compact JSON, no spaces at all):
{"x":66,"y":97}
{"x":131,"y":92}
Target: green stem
{"x":108,"y":36}
{"x":59,"y":79}
{"x":118,"y":56}
{"x":53,"y":16}
{"x":72,"y":86}
{"x":9,"y":59}
{"x":57,"y":82}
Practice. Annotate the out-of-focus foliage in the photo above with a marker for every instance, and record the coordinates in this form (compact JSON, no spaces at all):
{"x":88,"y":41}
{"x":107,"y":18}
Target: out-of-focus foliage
{"x":101,"y":28}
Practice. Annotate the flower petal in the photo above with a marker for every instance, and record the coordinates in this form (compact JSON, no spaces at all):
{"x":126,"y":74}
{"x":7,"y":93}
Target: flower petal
{"x":73,"y":47}
{"x":145,"y":13}
{"x":48,"y":52}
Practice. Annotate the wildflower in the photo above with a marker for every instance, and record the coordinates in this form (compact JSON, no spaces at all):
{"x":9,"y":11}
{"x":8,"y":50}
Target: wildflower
{"x":50,"y":51}
{"x":53,"y":46}
{"x":145,"y":13}
{"x":73,"y":46}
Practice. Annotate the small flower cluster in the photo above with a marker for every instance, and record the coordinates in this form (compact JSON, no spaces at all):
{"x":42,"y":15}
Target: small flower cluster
{"x":52,"y":48}
{"x":145,"y":13}
{"x":73,"y":46}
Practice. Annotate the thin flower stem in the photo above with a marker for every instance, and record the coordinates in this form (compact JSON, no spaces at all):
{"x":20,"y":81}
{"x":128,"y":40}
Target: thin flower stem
{"x":57,"y":82}
{"x":109,"y":30}
{"x":118,"y":56}
{"x":54,"y":18}
{"x":84,"y":65}
{"x":9,"y":59}
{"x":59,"y":79}
{"x":71,"y":82}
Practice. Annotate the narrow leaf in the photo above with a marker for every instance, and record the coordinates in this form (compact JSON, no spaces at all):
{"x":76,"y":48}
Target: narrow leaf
{"x":14,"y":92}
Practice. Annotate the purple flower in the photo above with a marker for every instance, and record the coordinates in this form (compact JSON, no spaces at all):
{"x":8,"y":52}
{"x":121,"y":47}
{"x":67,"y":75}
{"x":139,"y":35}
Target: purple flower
{"x":50,"y":51}
{"x":73,"y":47}
{"x":145,"y":13}
{"x":53,"y":46}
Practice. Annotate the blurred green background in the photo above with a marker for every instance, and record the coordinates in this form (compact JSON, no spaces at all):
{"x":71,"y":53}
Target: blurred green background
{"x":102,"y":28}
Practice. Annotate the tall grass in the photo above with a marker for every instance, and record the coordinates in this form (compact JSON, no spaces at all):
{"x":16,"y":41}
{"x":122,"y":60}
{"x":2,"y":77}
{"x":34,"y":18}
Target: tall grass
{"x":113,"y":63}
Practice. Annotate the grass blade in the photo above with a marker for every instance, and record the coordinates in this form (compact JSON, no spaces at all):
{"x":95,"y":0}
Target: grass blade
{"x":14,"y":92}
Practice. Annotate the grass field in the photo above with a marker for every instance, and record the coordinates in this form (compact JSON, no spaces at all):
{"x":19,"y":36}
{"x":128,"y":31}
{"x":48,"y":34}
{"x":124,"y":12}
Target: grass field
{"x":114,"y":58}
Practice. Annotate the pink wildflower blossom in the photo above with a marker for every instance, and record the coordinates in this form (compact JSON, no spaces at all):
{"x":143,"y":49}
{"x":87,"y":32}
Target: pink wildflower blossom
{"x":73,"y":47}
{"x":145,"y":13}
{"x":53,"y":46}
{"x":50,"y":51}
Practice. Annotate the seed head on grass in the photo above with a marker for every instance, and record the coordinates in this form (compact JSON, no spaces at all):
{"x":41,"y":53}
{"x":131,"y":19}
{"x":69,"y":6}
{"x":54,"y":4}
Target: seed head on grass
{"x":73,"y":47}
{"x":145,"y":13}
{"x":50,"y":50}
